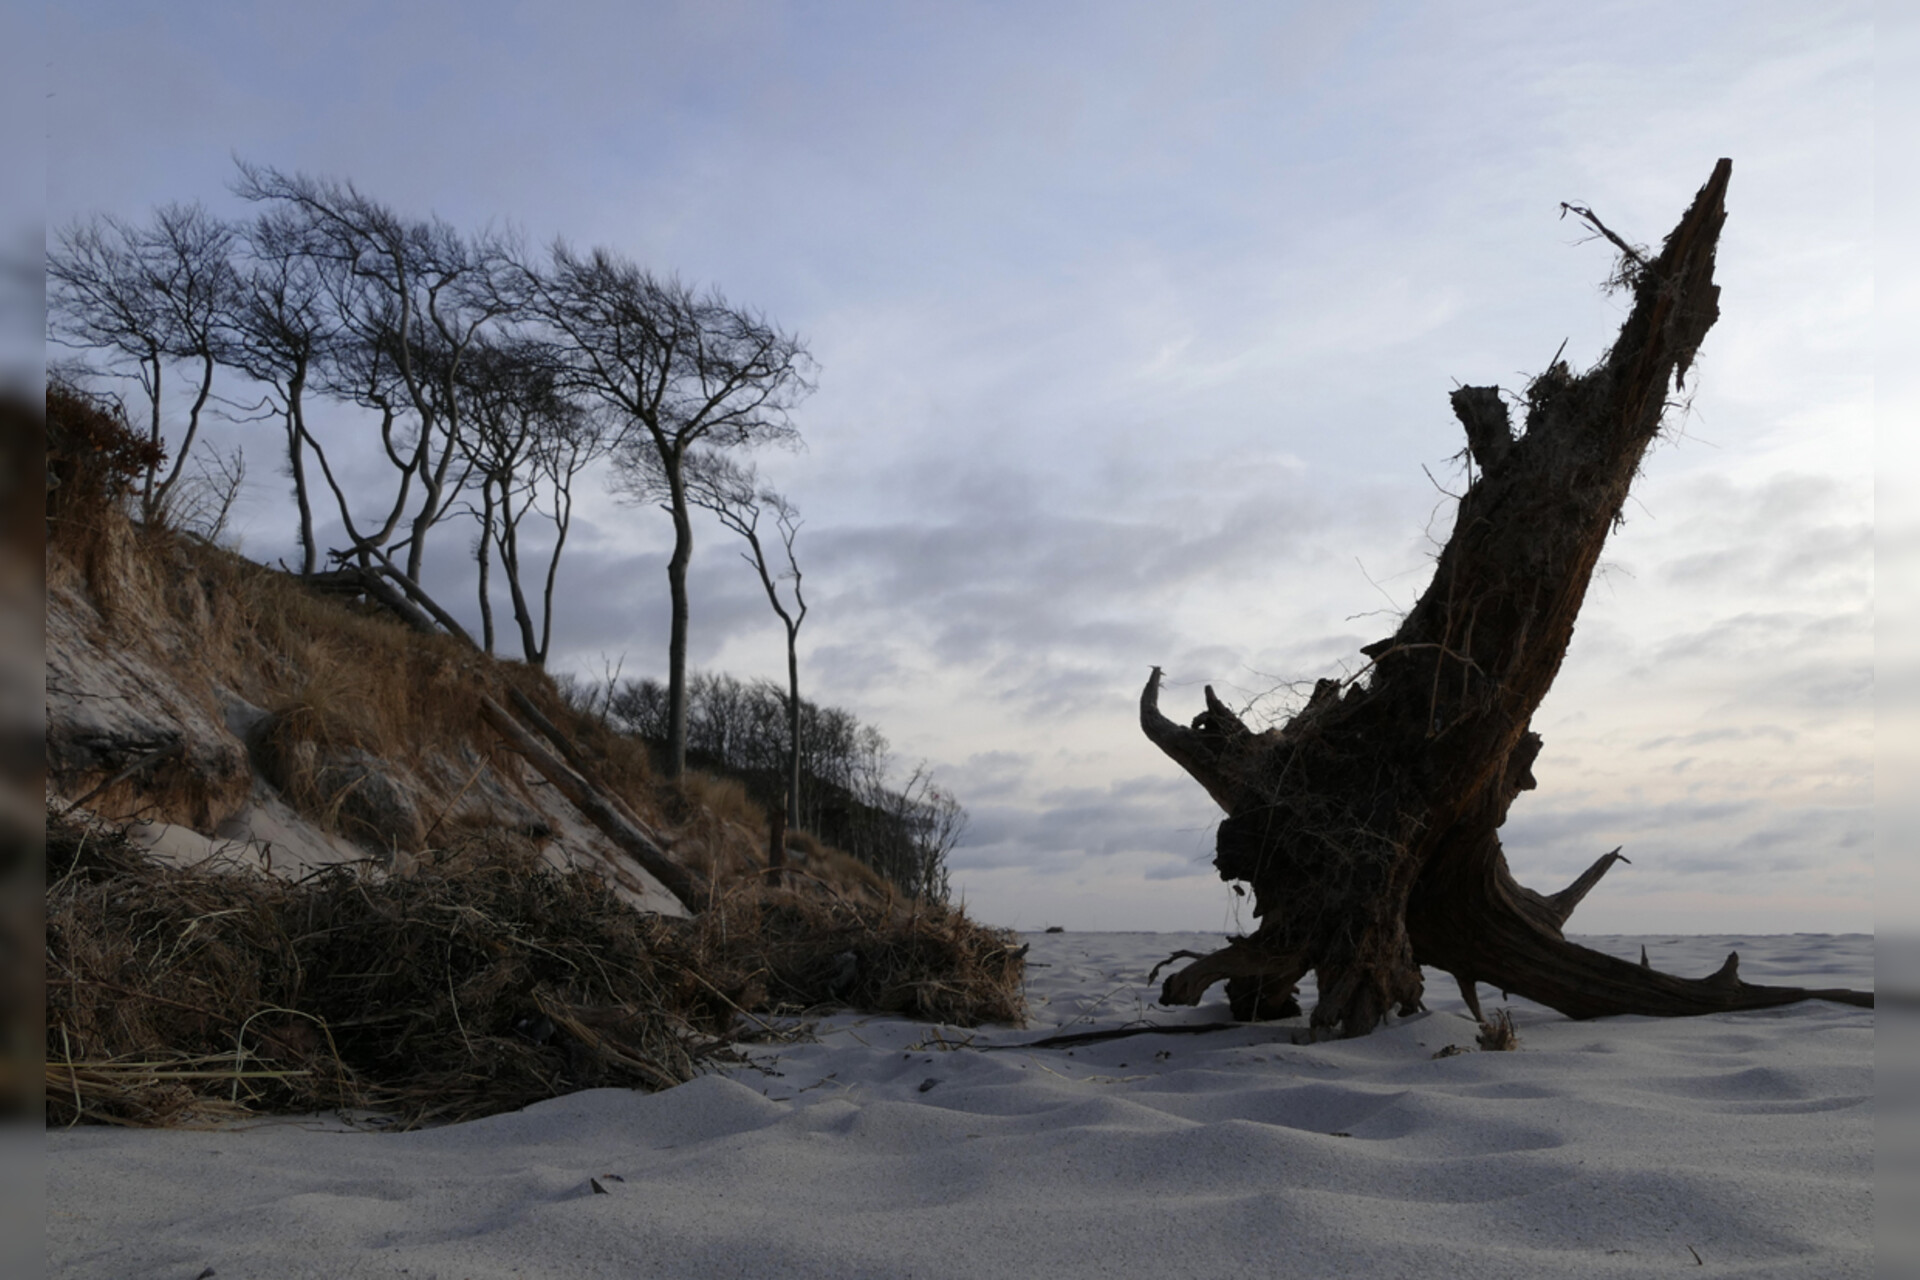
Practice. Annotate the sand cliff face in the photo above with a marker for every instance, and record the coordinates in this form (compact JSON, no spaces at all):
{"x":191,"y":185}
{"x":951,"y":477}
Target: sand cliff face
{"x":228,"y":715}
{"x":111,"y":707}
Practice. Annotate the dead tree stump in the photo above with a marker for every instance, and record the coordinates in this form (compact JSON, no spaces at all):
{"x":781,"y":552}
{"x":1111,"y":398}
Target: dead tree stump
{"x":1367,"y":826}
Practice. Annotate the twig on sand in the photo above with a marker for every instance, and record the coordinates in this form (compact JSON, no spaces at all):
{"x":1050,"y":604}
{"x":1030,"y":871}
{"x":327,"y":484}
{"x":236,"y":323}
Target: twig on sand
{"x":1117,"y":1033}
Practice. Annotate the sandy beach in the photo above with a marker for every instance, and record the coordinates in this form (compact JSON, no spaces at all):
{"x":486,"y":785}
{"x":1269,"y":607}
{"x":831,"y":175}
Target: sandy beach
{"x":1738,"y":1144}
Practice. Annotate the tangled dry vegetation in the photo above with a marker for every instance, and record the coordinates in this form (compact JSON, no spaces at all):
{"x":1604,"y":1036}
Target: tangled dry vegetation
{"x":481,"y":982}
{"x":459,"y":969}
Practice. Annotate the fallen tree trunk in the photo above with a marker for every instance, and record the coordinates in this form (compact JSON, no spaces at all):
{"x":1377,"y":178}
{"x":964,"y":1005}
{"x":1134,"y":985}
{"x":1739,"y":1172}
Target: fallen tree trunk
{"x":352,"y":580}
{"x":605,"y":811}
{"x":577,"y":759}
{"x":1368,"y":825}
{"x":406,"y":600}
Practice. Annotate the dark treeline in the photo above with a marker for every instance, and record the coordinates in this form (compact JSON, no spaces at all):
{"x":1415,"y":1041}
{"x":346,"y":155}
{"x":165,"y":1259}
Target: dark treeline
{"x":737,"y":727}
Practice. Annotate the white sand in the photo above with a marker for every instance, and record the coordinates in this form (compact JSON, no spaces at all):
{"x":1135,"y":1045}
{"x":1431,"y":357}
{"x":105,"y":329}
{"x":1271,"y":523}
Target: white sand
{"x":1616,"y":1148}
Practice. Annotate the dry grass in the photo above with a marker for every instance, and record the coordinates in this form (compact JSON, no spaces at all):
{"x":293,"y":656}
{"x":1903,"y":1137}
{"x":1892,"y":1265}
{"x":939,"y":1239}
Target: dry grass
{"x":847,"y":873}
{"x":479,"y":983}
{"x":929,"y":962}
{"x":721,"y":833}
{"x":341,"y":676}
{"x":348,"y":688}
{"x":480,"y":979}
{"x":94,"y":464}
{"x":343,"y":686}
{"x":721,"y":800}
{"x":1497,"y":1033}
{"x":810,"y":858}
{"x":345,"y":990}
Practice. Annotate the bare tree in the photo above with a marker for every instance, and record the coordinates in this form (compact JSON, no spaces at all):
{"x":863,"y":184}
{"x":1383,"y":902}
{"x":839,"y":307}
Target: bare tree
{"x":279,"y":328}
{"x":728,"y":490}
{"x":500,"y":432}
{"x":149,"y":296}
{"x":527,"y":442}
{"x":934,"y":820}
{"x":412,"y":298}
{"x":904,"y":832}
{"x":684,"y":370}
{"x":202,"y":503}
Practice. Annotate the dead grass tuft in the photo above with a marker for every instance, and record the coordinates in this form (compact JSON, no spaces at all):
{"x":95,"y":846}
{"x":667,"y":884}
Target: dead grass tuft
{"x":720,"y":831}
{"x":94,"y":463}
{"x":720,"y":799}
{"x":847,"y":873}
{"x":1497,"y":1033}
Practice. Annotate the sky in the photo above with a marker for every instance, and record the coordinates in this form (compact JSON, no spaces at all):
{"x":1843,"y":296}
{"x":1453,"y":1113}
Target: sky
{"x":1135,"y":331}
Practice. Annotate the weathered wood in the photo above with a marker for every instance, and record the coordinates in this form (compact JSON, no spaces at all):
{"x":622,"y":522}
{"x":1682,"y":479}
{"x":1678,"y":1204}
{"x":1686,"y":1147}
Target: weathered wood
{"x":352,"y":580}
{"x":632,"y":838}
{"x":1367,"y":825}
{"x":577,"y":759}
{"x":1077,"y":1038}
{"x":530,"y":711}
{"x":390,"y":587}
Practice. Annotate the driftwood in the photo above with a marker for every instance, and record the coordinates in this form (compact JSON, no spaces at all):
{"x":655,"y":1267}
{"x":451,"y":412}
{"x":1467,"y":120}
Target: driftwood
{"x":604,"y":810}
{"x":389,"y":587}
{"x":579,"y":762}
{"x":352,"y":580}
{"x":1077,"y":1038}
{"x":1368,"y":825}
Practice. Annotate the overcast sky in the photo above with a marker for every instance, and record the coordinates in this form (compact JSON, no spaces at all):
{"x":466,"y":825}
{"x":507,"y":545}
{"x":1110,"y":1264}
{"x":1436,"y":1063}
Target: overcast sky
{"x":1135,"y":333}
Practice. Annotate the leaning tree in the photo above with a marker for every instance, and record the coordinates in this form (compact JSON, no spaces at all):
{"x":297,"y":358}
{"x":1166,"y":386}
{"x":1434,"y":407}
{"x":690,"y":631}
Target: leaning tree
{"x":683,"y":371}
{"x":1368,"y":825}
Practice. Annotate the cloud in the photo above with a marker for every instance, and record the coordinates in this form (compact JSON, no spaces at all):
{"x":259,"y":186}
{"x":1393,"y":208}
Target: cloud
{"x":1135,"y":335}
{"x":1685,"y":838}
{"x":989,"y":775}
{"x":1034,"y":595}
{"x":1053,"y":829}
{"x":1181,"y":871}
{"x":1725,"y":733}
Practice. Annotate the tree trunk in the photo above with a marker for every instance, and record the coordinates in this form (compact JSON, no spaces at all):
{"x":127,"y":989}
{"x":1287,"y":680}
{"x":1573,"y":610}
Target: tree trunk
{"x":297,"y":467}
{"x":677,"y":629}
{"x":194,"y":410}
{"x":510,"y":565}
{"x":1367,"y":826}
{"x":792,"y":807}
{"x":562,"y":521}
{"x":483,"y":552}
{"x":149,"y":500}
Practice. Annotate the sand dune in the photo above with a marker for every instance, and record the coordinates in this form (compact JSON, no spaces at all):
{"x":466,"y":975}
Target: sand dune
{"x":1627,"y":1147}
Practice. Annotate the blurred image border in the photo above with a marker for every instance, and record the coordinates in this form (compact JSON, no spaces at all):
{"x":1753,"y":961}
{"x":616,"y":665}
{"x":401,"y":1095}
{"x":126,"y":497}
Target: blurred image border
{"x":1897,"y":651}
